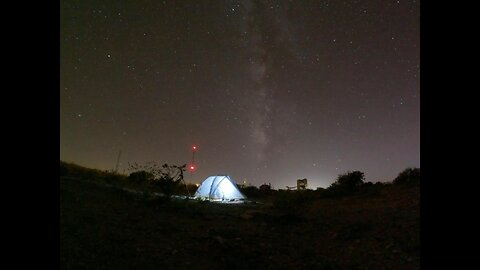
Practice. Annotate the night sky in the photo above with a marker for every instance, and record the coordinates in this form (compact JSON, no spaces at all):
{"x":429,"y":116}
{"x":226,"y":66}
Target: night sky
{"x":270,"y":91}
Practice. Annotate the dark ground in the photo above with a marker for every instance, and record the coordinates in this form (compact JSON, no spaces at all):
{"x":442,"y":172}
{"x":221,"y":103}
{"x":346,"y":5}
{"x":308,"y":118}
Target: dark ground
{"x":108,"y":228}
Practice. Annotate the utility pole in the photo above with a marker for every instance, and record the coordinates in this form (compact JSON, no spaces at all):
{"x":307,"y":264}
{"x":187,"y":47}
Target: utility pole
{"x":118,"y":161}
{"x":194,"y":149}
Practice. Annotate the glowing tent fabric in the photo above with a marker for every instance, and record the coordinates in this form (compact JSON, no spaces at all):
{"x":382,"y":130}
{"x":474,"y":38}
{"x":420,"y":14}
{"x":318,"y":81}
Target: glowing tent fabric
{"x":219,"y":188}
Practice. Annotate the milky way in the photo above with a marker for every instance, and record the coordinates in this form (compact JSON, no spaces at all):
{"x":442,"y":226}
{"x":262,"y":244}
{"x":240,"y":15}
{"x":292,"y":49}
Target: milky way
{"x":271,"y":91}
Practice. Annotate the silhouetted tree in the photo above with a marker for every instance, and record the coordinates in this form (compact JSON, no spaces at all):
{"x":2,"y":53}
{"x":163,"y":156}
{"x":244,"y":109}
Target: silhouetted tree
{"x":408,"y":176}
{"x":170,"y":178}
{"x":347,"y":183}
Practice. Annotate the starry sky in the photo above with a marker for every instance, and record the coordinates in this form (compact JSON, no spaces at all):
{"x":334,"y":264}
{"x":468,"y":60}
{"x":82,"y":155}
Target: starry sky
{"x":269,"y":91}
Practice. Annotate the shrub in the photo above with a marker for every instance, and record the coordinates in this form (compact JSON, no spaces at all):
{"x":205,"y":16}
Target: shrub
{"x":408,"y":176}
{"x":141,"y":176}
{"x":250,"y":191}
{"x":166,"y":178}
{"x":346,"y":184}
{"x":113,"y":177}
{"x":188,"y":189}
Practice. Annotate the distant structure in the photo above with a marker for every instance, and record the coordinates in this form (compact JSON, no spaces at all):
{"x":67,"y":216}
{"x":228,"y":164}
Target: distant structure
{"x":266,"y":187}
{"x":302,"y":184}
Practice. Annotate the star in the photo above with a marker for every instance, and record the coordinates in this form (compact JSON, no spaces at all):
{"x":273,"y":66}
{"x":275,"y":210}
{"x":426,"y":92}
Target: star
{"x":254,"y":84}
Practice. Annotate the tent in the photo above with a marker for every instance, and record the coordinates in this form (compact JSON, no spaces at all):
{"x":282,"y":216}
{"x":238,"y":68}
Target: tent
{"x":219,"y":188}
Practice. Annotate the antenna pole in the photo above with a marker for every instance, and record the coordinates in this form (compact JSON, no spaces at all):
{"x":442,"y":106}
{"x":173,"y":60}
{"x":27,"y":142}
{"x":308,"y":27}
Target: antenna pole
{"x":192,"y":166}
{"x":118,"y":161}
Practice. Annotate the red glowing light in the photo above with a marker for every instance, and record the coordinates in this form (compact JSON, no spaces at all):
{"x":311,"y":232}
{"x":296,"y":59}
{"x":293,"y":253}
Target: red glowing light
{"x":194,"y":147}
{"x":192,"y":167}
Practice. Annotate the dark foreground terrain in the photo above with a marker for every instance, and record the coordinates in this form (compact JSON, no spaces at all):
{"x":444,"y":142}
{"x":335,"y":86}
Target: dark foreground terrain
{"x":108,"y":228}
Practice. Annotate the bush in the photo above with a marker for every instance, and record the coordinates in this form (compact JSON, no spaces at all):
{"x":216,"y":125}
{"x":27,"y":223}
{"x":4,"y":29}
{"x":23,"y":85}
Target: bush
{"x":368,"y":184}
{"x":140,"y":177}
{"x":113,"y":177}
{"x":189,"y":189}
{"x":409,"y":176}
{"x":250,"y":191}
{"x":165,"y":179}
{"x":346,"y":184}
{"x":370,"y":189}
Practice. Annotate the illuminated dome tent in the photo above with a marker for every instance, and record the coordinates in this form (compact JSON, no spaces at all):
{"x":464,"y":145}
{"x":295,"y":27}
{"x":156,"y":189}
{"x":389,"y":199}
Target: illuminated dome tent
{"x":219,"y":188}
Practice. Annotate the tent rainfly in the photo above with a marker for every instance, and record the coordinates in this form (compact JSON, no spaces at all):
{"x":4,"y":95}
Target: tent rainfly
{"x":219,"y":188}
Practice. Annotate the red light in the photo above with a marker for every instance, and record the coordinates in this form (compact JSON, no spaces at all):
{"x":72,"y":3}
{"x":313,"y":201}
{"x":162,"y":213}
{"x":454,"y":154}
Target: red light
{"x":194,"y":148}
